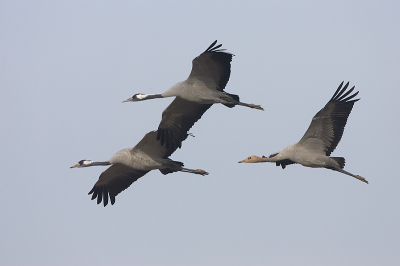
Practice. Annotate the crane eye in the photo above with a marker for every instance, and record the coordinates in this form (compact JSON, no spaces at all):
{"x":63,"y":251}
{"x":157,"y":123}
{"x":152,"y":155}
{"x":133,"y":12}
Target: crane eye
{"x":249,"y":158}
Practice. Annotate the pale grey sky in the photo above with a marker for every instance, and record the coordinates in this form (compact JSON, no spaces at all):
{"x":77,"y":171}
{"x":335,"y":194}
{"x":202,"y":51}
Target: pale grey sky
{"x":66,"y":66}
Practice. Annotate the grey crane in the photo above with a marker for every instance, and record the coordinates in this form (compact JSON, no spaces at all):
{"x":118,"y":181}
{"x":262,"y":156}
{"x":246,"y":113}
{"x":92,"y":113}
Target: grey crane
{"x":320,"y":139}
{"x":204,"y":87}
{"x":128,"y":165}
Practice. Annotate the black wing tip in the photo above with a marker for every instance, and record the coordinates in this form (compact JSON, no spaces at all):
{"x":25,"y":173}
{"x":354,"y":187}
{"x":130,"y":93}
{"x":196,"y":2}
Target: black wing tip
{"x":101,"y":195}
{"x":215,"y":49}
{"x":112,"y":198}
{"x":342,"y":94}
{"x":211,"y":45}
{"x":170,"y":139}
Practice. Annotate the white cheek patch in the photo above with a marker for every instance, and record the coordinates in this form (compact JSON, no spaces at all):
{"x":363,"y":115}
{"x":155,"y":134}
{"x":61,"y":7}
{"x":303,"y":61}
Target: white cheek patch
{"x":87,"y":162}
{"x":141,"y":96}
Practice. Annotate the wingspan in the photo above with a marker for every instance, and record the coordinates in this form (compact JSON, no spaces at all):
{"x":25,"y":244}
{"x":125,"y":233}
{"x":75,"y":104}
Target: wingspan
{"x":326,"y":128}
{"x":113,"y":181}
{"x":212,"y":67}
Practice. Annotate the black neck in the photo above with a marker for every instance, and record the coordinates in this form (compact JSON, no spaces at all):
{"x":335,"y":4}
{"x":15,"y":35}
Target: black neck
{"x":154,"y":96}
{"x":100,"y":163}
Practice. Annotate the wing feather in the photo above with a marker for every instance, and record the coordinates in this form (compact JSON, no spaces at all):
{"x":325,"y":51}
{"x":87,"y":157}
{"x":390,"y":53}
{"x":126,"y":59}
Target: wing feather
{"x":328,"y":124}
{"x":177,"y":119}
{"x":151,"y":146}
{"x":212,"y":65}
{"x":113,"y":181}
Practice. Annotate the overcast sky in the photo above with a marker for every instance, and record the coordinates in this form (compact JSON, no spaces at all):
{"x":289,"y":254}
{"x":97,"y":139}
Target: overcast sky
{"x":65,"y":68}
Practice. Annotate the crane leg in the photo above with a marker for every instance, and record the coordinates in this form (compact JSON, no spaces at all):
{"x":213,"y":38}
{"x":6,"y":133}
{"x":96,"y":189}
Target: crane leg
{"x":350,"y":174}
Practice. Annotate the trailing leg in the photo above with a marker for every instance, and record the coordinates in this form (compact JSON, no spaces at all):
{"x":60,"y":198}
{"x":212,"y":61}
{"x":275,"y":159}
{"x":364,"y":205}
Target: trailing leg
{"x":197,"y":171}
{"x":350,"y":174}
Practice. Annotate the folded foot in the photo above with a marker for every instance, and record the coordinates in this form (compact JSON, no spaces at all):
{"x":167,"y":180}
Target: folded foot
{"x":255,"y":106}
{"x":201,"y":172}
{"x":361,"y":178}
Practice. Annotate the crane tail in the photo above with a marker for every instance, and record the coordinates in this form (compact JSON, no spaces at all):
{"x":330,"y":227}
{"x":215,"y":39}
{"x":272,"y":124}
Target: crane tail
{"x":340,"y":160}
{"x":233,"y":97}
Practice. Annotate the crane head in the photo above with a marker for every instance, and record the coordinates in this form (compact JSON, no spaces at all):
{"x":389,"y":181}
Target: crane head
{"x":82,"y":163}
{"x":137,"y":97}
{"x":251,"y":159}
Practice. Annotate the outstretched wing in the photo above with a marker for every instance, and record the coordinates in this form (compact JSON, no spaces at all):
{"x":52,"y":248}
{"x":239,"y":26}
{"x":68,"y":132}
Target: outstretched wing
{"x":151,"y":146}
{"x":176,"y":121}
{"x":113,"y":181}
{"x":213,"y":65}
{"x":326,"y":128}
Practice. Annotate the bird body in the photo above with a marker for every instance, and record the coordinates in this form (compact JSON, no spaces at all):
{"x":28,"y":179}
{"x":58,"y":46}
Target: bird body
{"x":304,"y":156}
{"x":128,"y":165}
{"x":200,"y":92}
{"x":321,"y":138}
{"x":204,"y":87}
{"x":136,"y":159}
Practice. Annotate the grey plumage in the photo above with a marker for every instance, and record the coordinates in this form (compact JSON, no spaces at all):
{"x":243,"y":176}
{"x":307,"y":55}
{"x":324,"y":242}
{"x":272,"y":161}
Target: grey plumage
{"x":321,"y":138}
{"x":128,"y":165}
{"x":205,"y":86}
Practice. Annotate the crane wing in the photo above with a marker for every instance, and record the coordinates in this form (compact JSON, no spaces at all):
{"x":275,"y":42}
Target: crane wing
{"x":213,"y":65}
{"x":176,"y":121}
{"x":152,"y":147}
{"x":113,"y":181}
{"x":326,"y":128}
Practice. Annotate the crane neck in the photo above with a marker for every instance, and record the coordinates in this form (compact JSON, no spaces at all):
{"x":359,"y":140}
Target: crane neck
{"x":256,"y":159}
{"x":92,"y":163}
{"x":265,"y":159}
{"x":102,"y":163}
{"x":153,"y":96}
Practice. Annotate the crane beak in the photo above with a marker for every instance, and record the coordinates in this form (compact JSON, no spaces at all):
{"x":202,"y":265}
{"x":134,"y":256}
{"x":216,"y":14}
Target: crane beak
{"x":128,"y":100}
{"x":242,"y":161}
{"x":76,"y":166}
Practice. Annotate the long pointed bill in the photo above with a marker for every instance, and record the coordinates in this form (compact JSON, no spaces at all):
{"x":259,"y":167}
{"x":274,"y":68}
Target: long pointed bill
{"x":128,"y":100}
{"x":76,"y":165}
{"x":243,"y":161}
